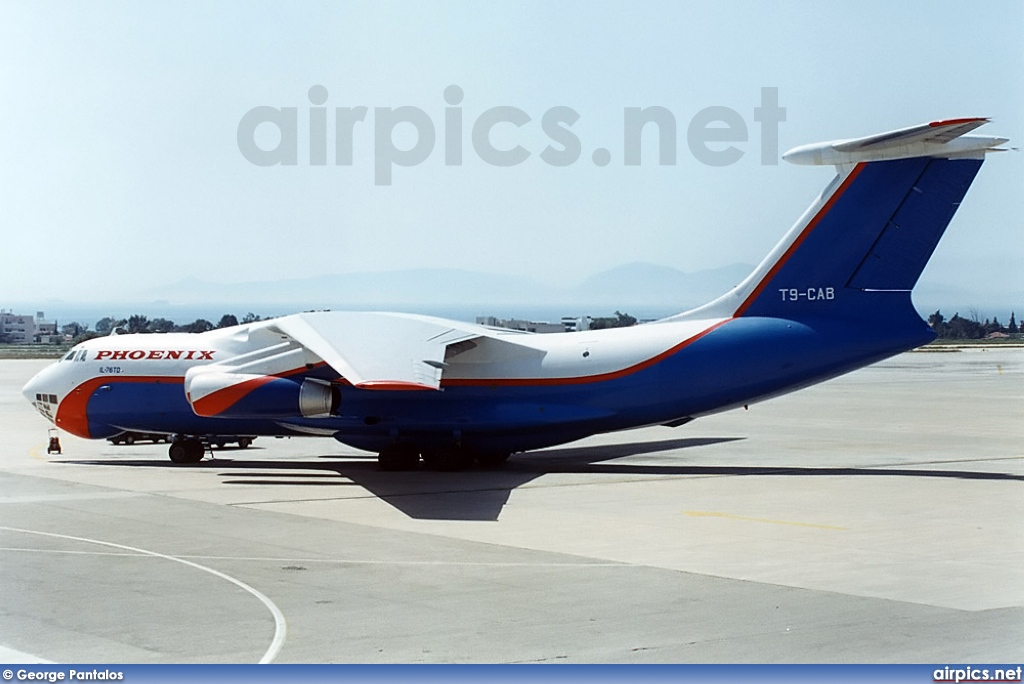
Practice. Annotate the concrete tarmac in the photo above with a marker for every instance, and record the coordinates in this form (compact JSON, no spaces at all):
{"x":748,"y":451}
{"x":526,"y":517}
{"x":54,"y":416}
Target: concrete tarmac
{"x":875,"y":518}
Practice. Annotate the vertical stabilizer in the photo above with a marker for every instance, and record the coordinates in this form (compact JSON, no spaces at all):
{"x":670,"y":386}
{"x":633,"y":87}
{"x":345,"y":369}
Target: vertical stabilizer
{"x":861,"y":247}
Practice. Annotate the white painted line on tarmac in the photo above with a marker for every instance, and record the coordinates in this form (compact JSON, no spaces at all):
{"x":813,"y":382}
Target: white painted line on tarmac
{"x":470,"y":564}
{"x":280,"y":624}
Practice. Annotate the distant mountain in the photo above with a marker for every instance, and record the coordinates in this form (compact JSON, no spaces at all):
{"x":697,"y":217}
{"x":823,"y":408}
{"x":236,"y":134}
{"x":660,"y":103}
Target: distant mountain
{"x":642,"y":289}
{"x":647,"y":284}
{"x":637,"y":284}
{"x":410,"y":287}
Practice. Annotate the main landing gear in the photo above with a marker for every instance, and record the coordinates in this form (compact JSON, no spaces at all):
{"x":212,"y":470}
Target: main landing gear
{"x":186,"y":450}
{"x":398,"y":457}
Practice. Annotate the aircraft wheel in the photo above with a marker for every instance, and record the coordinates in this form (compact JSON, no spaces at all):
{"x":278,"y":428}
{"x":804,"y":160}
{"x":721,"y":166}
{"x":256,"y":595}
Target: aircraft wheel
{"x":195,"y":450}
{"x":129,"y":440}
{"x":398,"y":457}
{"x":186,"y":451}
{"x":244,"y":443}
{"x":491,"y":459}
{"x":178,"y":453}
{"x":449,"y":460}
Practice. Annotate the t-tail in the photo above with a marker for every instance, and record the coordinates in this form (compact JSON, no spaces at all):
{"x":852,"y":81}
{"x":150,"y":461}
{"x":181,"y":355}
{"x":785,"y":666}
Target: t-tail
{"x":860,"y":248}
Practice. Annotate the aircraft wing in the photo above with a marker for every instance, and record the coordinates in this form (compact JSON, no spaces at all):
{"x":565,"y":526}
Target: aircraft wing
{"x":384,"y":351}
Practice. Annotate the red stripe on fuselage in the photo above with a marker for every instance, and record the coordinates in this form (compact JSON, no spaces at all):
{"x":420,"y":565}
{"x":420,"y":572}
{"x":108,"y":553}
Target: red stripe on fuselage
{"x":72,"y":413}
{"x":580,"y":379}
{"x":799,"y":241}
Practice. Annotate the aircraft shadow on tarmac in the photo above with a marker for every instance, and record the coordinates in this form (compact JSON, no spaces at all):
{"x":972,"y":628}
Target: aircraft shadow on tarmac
{"x":481,"y":494}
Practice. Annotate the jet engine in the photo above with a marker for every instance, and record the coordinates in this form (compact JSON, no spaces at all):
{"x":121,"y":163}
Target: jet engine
{"x":242,"y":395}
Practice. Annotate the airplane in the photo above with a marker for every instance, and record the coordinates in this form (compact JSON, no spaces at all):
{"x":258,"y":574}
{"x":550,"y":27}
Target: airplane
{"x":833,"y":295}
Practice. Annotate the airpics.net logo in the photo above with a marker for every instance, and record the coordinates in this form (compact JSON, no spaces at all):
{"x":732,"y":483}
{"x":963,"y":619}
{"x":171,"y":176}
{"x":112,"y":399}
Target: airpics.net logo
{"x":712,"y":134}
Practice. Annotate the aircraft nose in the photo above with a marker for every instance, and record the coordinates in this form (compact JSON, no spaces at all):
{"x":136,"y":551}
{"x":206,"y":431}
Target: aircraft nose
{"x":33,"y":387}
{"x":40,"y":392}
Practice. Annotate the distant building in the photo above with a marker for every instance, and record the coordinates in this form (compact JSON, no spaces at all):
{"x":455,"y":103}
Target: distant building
{"x":24,"y":329}
{"x":567,"y":324}
{"x":570,"y":324}
{"x":47,"y":333}
{"x":17,"y":328}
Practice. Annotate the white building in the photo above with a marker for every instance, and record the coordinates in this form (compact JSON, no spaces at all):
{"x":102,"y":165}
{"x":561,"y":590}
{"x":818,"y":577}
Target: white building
{"x":579,"y":324}
{"x":567,"y":324}
{"x":23,"y":329}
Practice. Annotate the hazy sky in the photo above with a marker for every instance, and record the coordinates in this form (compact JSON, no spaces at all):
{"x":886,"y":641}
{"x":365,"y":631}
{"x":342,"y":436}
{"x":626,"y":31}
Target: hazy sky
{"x":121,"y":169}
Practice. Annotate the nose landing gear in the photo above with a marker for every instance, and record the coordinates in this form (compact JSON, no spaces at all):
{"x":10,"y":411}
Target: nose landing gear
{"x":54,"y":445}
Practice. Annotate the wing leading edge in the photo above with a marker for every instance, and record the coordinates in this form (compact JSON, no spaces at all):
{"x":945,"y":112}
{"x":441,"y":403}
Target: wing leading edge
{"x":382,"y":351}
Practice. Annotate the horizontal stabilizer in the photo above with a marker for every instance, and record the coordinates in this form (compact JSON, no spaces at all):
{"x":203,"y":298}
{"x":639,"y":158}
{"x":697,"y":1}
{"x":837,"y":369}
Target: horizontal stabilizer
{"x":940,"y":139}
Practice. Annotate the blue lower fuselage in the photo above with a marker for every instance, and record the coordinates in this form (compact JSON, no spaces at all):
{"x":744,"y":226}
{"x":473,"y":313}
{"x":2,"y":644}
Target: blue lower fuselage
{"x":742,"y":361}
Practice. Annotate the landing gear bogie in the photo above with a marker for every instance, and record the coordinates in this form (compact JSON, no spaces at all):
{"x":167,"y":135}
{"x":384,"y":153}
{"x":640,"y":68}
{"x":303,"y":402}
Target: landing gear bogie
{"x":398,"y":457}
{"x":402,"y":457}
{"x":491,"y":459}
{"x":448,"y":460}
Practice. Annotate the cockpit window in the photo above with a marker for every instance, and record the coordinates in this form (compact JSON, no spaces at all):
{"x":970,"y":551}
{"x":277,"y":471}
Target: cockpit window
{"x":70,"y":355}
{"x":81,"y":355}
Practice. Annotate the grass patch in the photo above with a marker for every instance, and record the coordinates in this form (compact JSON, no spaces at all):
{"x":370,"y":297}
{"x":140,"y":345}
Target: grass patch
{"x":1000,"y":342}
{"x":32,"y":351}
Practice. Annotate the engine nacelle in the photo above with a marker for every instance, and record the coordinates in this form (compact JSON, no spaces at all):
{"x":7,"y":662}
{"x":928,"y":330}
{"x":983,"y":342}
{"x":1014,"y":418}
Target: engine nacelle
{"x":242,"y":395}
